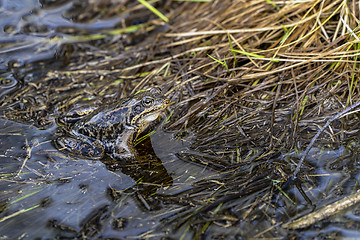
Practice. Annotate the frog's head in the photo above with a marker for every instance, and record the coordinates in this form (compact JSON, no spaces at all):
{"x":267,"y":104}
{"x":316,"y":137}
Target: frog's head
{"x":146,"y":108}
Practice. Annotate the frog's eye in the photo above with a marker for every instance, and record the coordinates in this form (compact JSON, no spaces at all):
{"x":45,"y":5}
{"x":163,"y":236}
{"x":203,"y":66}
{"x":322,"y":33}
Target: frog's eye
{"x":147,"y":101}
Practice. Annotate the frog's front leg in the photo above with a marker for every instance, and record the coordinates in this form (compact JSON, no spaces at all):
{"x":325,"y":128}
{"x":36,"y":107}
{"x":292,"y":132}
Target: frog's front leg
{"x":123,"y":148}
{"x":82,"y":146}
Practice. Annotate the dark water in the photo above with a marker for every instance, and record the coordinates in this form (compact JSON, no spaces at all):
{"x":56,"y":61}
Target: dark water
{"x":46,"y":194}
{"x":59,"y":194}
{"x":33,"y":30}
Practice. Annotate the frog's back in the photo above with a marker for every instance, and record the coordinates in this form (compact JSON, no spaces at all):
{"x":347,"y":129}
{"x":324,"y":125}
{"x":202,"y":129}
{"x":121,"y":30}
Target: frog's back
{"x":105,"y":123}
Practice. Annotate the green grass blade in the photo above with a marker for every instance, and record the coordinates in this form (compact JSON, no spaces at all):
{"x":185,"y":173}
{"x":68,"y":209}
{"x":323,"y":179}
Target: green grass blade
{"x":222,"y":63}
{"x":126,"y":30}
{"x":216,"y":59}
{"x":26,"y":196}
{"x":18,"y":213}
{"x":154,"y":10}
{"x":248,"y":54}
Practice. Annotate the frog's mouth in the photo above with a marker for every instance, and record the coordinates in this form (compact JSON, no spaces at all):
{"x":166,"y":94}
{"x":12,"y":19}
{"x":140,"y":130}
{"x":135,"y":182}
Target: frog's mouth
{"x":151,"y":117}
{"x":148,"y":121}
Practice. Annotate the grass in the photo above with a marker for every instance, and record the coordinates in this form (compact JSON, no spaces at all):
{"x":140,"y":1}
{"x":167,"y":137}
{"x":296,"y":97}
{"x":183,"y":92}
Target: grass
{"x":18,"y":213}
{"x":154,"y":10}
{"x":221,"y":62}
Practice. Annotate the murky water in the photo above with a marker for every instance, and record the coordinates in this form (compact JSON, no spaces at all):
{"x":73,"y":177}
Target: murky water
{"x":46,"y":193}
{"x":172,"y":192}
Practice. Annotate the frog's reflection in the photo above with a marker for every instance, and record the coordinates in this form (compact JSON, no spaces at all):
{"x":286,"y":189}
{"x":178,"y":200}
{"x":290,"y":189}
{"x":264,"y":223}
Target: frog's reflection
{"x":148,"y":172}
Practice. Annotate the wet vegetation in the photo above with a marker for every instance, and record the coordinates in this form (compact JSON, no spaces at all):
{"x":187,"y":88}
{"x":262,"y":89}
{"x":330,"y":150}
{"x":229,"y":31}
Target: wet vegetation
{"x":251,"y":82}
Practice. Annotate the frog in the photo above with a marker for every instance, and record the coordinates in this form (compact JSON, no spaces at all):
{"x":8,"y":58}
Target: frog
{"x":112,"y":129}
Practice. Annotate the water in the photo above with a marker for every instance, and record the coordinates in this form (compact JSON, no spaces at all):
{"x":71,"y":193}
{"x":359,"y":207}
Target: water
{"x":53,"y":193}
{"x":177,"y":190}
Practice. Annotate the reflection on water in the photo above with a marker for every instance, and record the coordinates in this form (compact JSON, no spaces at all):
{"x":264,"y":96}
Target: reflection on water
{"x":31,"y":30}
{"x":70,"y":197}
{"x":65,"y":195}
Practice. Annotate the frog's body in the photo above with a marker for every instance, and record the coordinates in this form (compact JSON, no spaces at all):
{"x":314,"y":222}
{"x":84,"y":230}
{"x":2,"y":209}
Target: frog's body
{"x":114,"y":128}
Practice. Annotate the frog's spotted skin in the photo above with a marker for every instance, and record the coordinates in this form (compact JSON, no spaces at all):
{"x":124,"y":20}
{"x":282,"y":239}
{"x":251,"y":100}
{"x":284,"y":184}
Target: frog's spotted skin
{"x":113,"y":129}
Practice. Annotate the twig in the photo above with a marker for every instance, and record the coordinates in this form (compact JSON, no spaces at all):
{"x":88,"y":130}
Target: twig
{"x":352,"y":107}
{"x":28,"y":156}
{"x":324,"y":212}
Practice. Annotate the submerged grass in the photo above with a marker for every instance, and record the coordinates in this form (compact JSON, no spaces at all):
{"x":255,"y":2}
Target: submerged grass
{"x":24,"y":197}
{"x":19,"y":212}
